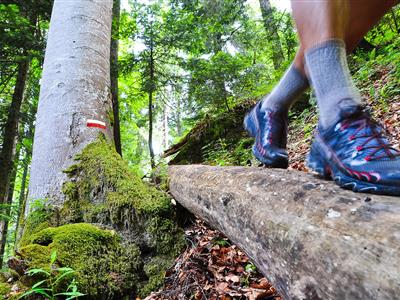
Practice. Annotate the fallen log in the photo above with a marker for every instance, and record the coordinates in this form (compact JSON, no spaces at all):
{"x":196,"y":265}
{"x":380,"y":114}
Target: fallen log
{"x":312,"y":239}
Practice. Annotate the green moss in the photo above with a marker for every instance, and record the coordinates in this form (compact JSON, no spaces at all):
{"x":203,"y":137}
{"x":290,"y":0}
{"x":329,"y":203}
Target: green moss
{"x":104,"y":177}
{"x":102,"y":190}
{"x":40,"y":217}
{"x":110,"y":115}
{"x":164,"y":235}
{"x":103,"y":264}
{"x":155,"y":270}
{"x":4,"y":290}
{"x":37,"y":255}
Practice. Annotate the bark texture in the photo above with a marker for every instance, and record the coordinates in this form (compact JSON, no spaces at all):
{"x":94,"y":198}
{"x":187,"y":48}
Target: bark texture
{"x":312,"y":239}
{"x":75,"y":87}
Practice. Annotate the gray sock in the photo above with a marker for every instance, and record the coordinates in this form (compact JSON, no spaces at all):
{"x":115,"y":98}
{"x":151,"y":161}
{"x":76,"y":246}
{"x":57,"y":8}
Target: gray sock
{"x":331,"y":81}
{"x":286,"y":92}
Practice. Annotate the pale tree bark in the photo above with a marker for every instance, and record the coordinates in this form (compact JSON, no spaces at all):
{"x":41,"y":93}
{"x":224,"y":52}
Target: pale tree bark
{"x":75,"y":87}
{"x":114,"y":71}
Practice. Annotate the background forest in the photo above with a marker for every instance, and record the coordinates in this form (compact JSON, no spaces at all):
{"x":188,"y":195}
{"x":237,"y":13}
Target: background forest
{"x":178,"y":65}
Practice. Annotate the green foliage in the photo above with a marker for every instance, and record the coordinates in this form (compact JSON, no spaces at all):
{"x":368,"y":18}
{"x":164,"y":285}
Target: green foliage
{"x":250,"y":268}
{"x":377,"y":73}
{"x":53,"y":277}
{"x":198,"y":58}
{"x":223,"y":242}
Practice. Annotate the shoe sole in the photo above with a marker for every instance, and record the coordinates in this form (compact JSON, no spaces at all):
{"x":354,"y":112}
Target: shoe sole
{"x":280,"y":162}
{"x":328,"y":170}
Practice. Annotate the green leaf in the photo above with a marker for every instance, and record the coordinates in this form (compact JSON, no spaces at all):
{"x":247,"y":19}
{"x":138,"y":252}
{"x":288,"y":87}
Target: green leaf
{"x":37,"y":271}
{"x":53,"y":257}
{"x":63,"y":275}
{"x":38,"y":284}
{"x":43,"y":292}
{"x":35,"y":291}
{"x":65,"y":269}
{"x":71,"y":295}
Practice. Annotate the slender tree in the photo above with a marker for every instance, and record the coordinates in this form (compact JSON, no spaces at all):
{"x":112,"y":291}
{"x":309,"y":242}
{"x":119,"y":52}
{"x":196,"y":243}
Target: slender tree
{"x":150,"y":91}
{"x":114,"y":71}
{"x":4,"y":223}
{"x":272,"y":31}
{"x":22,"y":196}
{"x":10,"y":131}
{"x":75,"y":88}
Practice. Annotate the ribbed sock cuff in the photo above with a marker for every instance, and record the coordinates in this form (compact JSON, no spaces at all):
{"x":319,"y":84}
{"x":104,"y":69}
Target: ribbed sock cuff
{"x":292,"y":84}
{"x":331,"y":80}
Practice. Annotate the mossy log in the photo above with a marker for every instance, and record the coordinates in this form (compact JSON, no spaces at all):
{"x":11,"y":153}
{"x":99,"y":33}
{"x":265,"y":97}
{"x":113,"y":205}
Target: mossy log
{"x":312,"y":239}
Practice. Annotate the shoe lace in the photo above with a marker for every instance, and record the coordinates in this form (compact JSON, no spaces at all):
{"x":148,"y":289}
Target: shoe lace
{"x":272,"y":133}
{"x":374,"y":138}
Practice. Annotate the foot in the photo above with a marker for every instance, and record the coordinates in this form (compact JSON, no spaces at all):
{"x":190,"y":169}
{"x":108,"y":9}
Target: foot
{"x":269,"y":128}
{"x":357,"y":155}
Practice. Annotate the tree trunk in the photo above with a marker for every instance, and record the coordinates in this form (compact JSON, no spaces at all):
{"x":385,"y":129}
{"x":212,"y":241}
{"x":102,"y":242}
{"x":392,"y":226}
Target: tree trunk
{"x":7,"y":211}
{"x":114,"y":75}
{"x":10,"y":131}
{"x":272,"y":32}
{"x":75,"y":88}
{"x":165,"y":128}
{"x":178,"y":117}
{"x":312,"y":239}
{"x":114,"y":230}
{"x":151,"y":90}
{"x":152,"y":162}
{"x":21,"y":199}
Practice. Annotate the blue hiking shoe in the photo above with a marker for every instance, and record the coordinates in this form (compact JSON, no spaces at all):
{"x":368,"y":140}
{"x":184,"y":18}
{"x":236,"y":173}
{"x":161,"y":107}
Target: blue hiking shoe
{"x":269,"y":128}
{"x":357,"y":155}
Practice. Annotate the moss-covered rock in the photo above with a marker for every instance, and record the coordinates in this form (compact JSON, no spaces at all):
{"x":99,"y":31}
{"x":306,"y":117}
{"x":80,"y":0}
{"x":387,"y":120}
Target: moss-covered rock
{"x":104,"y":265}
{"x":135,"y":226}
{"x":41,"y":217}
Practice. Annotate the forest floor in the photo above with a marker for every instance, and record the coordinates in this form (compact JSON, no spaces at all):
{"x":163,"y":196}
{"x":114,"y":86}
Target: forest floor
{"x":213,"y":268}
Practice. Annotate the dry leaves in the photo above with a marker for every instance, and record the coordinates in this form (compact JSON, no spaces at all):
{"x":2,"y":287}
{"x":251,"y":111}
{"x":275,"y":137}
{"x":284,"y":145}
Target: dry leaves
{"x":213,"y":269}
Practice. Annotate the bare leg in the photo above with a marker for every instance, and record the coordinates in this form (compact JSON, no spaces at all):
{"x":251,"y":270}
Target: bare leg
{"x":363,"y":15}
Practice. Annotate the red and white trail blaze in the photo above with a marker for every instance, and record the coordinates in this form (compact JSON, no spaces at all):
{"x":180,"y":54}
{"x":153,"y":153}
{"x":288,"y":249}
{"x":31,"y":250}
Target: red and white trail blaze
{"x":95,"y":123}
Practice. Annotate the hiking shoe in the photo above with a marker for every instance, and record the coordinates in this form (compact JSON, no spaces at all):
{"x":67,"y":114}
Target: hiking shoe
{"x":357,"y":155}
{"x":269,"y":128}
